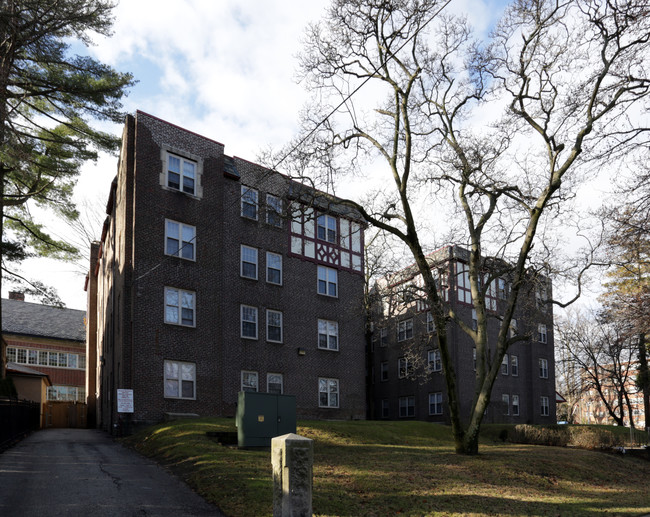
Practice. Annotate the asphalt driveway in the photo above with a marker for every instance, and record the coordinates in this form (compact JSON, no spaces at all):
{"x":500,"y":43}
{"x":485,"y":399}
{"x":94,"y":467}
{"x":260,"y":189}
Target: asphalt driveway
{"x":70,"y":472}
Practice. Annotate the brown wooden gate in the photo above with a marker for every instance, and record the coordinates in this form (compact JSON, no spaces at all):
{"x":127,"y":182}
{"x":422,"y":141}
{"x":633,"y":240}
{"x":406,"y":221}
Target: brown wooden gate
{"x":65,"y":414}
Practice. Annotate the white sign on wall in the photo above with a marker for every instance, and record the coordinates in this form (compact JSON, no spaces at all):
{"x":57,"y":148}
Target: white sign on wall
{"x":125,"y":401}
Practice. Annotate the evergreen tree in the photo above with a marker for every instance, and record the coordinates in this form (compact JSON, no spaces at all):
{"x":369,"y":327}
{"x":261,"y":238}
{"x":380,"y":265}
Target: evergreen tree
{"x":48,"y":98}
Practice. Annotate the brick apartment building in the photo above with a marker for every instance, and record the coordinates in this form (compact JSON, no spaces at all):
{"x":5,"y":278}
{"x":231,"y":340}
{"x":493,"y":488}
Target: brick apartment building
{"x":406,"y":378}
{"x":591,"y":409}
{"x":50,"y":340}
{"x":46,"y":358}
{"x":216,"y":275}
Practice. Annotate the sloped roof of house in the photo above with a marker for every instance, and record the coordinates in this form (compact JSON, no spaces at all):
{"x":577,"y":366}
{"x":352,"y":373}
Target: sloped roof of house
{"x":33,"y":319}
{"x":25,"y":370}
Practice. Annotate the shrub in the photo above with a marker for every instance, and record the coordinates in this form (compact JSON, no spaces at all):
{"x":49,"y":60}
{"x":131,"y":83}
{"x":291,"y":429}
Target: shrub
{"x":7,"y":388}
{"x":541,"y":435}
{"x":594,"y":438}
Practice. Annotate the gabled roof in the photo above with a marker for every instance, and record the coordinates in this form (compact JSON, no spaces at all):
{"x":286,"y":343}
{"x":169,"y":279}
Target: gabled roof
{"x":33,"y":319}
{"x":25,"y":370}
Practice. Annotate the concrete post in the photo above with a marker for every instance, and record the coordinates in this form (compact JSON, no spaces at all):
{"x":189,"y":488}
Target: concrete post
{"x":292,"y":457}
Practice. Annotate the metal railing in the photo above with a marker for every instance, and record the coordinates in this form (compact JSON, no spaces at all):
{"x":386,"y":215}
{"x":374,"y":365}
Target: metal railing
{"x":17,"y":418}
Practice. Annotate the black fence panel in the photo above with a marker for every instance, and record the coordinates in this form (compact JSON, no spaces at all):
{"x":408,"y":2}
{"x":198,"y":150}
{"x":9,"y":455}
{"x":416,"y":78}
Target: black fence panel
{"x":17,"y":418}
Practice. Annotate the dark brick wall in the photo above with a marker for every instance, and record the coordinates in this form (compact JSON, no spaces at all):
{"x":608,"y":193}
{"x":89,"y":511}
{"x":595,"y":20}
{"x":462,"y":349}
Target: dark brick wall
{"x":214,"y":344}
{"x":527,"y":384}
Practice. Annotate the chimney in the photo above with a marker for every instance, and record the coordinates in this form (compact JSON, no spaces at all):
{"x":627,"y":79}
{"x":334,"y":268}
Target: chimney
{"x":15,"y":295}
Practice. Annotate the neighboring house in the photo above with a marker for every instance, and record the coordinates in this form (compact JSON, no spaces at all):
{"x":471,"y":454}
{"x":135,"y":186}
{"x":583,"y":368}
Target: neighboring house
{"x":405,"y":366}
{"x":45,"y":341}
{"x":591,"y":408}
{"x":216,"y":275}
{"x":30,"y":385}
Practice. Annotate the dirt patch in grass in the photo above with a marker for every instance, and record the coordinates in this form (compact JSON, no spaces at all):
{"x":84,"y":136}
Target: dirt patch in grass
{"x":404,"y":468}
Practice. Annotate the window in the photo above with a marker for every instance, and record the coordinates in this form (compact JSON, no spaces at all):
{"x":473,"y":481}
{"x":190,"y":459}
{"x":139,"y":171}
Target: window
{"x":505,"y":399}
{"x":405,"y":330}
{"x":431,"y":327}
{"x":474,"y":357}
{"x":384,"y":408}
{"x":248,"y":266}
{"x":383,"y":336}
{"x":326,"y":228}
{"x":180,"y":380}
{"x":179,"y":307}
{"x":514,"y":365}
{"x":248,"y":381}
{"x":501,"y":288}
{"x":249,"y":202}
{"x":474,"y":320}
{"x":181,"y":172}
{"x":180,"y":240}
{"x":274,"y":326}
{"x":384,"y":370}
{"x":273,"y":268}
{"x":274,"y":210}
{"x":404,"y":368}
{"x":11,"y":355}
{"x":504,"y":365}
{"x":248,"y":322}
{"x":515,"y":405}
{"x":274,"y":383}
{"x":328,"y":393}
{"x":32,"y":358}
{"x":406,"y":407}
{"x":435,"y":403}
{"x":541,"y":333}
{"x":543,"y":368}
{"x":462,"y":283}
{"x":328,"y":335}
{"x":513,"y":327}
{"x":435,"y":364}
{"x":327,"y":281}
{"x":66,"y":393}
{"x":544,"y":406}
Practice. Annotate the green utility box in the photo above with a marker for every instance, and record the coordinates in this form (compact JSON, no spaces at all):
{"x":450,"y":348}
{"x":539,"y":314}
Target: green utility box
{"x":262,"y":416}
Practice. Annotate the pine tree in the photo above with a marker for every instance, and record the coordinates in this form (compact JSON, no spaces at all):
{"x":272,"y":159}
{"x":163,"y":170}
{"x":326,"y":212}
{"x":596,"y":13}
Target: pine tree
{"x":48,"y":99}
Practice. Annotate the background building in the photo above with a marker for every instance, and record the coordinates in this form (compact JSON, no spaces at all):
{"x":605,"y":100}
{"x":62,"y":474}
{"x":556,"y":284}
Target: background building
{"x":216,"y":275}
{"x":46,"y":357}
{"x":406,"y":379}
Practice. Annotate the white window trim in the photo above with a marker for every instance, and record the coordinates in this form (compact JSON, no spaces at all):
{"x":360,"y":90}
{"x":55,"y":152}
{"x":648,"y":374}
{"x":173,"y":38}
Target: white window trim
{"x":269,"y":254}
{"x":255,"y":375}
{"x":407,"y":399}
{"x":505,"y":399}
{"x":436,"y":405}
{"x":514,"y":365}
{"x":408,"y":327}
{"x":327,"y":218}
{"x":244,"y":190}
{"x":383,"y":367}
{"x":198,"y":171}
{"x":268,"y":382}
{"x":327,"y":334}
{"x":338,"y":393}
{"x":542,"y":334}
{"x":180,"y":293}
{"x":179,"y":380}
{"x":505,"y":365}
{"x":242,"y":261}
{"x":515,"y":406}
{"x":242,"y":321}
{"x":543,"y":368}
{"x":545,"y":406}
{"x":435,"y":360}
{"x":180,"y":240}
{"x":268,"y":326}
{"x":327,"y":281}
{"x":270,"y":209}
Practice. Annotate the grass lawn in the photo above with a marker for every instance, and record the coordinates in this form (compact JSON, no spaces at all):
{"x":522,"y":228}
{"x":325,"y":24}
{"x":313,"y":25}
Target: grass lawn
{"x":404,"y":468}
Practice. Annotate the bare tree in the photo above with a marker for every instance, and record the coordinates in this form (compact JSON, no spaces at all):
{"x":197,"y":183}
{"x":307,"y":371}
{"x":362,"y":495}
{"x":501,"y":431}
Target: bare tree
{"x":500,"y":131}
{"x":601,"y":356}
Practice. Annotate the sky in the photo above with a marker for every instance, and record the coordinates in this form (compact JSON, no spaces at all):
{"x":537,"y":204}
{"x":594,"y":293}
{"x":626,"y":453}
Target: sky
{"x":224,"y":69}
